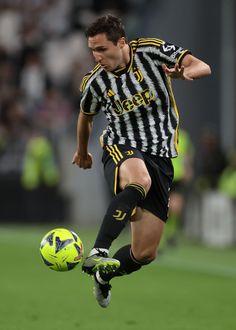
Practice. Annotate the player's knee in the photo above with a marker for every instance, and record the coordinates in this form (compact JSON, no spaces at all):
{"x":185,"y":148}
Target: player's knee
{"x":134,"y":172}
{"x":145,"y":181}
{"x":146,"y":256}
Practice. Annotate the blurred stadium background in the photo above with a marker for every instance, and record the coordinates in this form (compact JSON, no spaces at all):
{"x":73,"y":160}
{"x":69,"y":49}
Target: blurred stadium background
{"x":43,"y":56}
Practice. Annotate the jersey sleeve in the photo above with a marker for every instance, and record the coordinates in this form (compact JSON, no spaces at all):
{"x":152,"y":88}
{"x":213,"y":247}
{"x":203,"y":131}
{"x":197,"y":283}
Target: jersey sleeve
{"x":89,"y":102}
{"x":170,"y":53}
{"x":163,"y":52}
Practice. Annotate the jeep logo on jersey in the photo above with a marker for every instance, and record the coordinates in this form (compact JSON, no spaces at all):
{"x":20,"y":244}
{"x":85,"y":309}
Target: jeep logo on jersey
{"x":123,"y":106}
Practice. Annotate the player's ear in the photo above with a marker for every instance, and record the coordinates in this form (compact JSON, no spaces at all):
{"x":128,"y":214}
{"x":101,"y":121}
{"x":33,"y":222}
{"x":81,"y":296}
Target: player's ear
{"x":122,"y":42}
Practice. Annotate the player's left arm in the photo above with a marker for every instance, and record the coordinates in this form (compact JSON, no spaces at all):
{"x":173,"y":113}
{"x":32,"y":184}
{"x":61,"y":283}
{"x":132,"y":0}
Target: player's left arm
{"x":190,"y":68}
{"x":195,"y":68}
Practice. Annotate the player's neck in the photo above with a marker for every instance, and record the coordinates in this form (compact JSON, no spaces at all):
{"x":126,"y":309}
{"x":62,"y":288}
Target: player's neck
{"x":126,"y":56}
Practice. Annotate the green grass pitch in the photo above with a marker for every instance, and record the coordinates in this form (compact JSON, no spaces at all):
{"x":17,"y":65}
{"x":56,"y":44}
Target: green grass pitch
{"x":189,"y":288}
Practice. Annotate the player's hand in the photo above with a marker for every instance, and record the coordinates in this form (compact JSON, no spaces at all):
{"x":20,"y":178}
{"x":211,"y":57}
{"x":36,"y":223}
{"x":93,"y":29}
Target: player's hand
{"x":176,"y":72}
{"x":84,"y":161}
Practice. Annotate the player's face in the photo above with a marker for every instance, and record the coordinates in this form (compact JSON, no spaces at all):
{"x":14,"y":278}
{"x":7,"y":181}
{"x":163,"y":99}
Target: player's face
{"x":108,"y":55}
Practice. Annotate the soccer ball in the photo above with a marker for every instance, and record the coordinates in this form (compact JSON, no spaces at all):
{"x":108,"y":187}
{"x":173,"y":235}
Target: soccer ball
{"x":61,"y":249}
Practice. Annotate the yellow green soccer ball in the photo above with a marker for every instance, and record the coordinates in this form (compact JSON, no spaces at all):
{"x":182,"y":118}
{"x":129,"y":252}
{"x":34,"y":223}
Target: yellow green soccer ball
{"x":61,"y":249}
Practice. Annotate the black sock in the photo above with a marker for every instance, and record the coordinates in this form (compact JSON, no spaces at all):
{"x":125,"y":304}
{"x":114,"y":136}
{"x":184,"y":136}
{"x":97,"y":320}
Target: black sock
{"x":128,"y":264}
{"x":118,"y":214}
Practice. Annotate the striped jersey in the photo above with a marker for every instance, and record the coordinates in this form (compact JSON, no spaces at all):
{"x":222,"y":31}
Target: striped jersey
{"x":137,"y":100}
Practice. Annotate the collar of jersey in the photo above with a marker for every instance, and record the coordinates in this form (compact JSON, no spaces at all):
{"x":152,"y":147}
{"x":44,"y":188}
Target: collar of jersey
{"x":127,"y":68}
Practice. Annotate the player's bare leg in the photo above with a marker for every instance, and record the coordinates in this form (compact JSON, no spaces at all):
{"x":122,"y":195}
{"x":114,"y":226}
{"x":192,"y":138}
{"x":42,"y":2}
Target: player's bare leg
{"x":147,"y":230}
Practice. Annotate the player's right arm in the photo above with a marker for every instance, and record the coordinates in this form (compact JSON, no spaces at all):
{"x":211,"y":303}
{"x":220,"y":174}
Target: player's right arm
{"x":90,"y":105}
{"x":82,"y":157}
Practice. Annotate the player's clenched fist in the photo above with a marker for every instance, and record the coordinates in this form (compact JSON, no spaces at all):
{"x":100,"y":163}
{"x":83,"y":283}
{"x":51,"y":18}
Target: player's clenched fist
{"x":83,"y":161}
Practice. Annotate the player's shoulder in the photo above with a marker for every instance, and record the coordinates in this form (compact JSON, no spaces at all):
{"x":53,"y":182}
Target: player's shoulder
{"x":90,"y":76}
{"x":140,"y":43}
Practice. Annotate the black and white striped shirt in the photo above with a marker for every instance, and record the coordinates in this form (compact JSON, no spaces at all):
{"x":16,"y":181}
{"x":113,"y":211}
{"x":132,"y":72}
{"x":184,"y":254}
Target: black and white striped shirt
{"x":138,"y":100}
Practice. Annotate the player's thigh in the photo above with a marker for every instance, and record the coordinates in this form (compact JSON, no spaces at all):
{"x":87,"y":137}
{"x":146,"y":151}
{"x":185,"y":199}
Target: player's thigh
{"x":124,"y":165}
{"x":134,"y":170}
{"x":146,"y":230}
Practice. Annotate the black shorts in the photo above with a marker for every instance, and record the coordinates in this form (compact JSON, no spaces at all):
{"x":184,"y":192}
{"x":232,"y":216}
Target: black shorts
{"x":160,"y":170}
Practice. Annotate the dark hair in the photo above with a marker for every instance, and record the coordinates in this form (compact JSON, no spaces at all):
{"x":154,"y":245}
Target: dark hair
{"x":110,"y":25}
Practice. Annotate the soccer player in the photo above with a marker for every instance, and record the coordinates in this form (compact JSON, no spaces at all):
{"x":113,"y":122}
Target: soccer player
{"x":131,"y":83}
